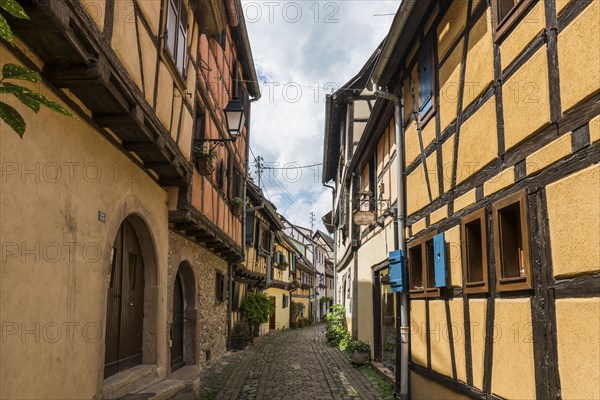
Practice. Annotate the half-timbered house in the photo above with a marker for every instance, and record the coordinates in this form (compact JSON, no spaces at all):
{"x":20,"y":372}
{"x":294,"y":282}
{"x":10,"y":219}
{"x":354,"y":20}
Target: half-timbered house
{"x":499,"y":129}
{"x":121,"y":232}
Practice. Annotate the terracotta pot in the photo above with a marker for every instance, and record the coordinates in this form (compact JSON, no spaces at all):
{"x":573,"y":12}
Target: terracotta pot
{"x":205,"y":167}
{"x":360,"y":357}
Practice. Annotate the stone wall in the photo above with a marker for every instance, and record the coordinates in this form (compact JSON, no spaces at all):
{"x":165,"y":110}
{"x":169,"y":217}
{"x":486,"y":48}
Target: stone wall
{"x":211,"y":316}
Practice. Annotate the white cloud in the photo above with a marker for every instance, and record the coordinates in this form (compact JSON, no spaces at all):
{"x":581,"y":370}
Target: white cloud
{"x":304,"y":49}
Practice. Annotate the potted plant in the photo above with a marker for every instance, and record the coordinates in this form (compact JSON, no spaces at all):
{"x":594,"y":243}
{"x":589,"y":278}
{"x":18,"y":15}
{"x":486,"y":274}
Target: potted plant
{"x":237,"y":206}
{"x":238,"y":335}
{"x":360,"y":351}
{"x":257,"y":308}
{"x":389,"y":349}
{"x":204,"y":161}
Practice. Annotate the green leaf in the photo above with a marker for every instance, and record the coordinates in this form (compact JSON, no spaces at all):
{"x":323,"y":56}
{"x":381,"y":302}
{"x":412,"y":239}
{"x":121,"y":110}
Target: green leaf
{"x":12,"y":118}
{"x":23,"y":98}
{"x":5,"y":31}
{"x":14,"y":71}
{"x":38,"y":98}
{"x":14,"y":9}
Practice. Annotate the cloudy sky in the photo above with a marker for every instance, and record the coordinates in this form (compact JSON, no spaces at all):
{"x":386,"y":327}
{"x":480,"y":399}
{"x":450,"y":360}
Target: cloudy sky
{"x":304,"y":50}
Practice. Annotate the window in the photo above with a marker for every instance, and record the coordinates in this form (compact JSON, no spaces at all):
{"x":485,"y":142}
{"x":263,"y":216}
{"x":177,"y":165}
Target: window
{"x":221,"y":174}
{"x":425,"y":74}
{"x":220,"y":287}
{"x":511,"y":243}
{"x":235,"y":304}
{"x":506,"y":13}
{"x":474,"y":252}
{"x":286,"y":301}
{"x":265,"y":238}
{"x":421,"y":264}
{"x":176,"y":34}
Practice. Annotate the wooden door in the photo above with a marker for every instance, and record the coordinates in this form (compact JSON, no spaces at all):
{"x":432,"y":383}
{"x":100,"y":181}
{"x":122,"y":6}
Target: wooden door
{"x":272,"y":317}
{"x":177,"y":327}
{"x":125,"y":305}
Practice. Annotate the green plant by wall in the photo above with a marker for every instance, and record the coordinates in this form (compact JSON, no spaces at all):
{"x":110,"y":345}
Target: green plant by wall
{"x":325,"y":300}
{"x":389,"y":345}
{"x":336,"y":325}
{"x":257,"y":308}
{"x":14,"y":72}
{"x":345,"y":341}
{"x":359,"y":345}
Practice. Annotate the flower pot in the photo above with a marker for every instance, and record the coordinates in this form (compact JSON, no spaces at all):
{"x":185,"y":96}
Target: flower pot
{"x":360,"y":357}
{"x":238,"y":343}
{"x":205,"y":167}
{"x":237,"y":211}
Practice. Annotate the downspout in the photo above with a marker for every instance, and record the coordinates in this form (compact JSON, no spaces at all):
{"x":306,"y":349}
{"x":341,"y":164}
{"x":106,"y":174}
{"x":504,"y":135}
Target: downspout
{"x":335,"y":246}
{"x":402,"y":376}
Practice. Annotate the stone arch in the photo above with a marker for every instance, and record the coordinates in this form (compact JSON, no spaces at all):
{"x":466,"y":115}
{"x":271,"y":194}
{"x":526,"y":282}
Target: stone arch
{"x":133,"y":211}
{"x":185,"y":272}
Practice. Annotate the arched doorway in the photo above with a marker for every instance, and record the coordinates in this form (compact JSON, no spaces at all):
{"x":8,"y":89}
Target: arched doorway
{"x":125,"y":304}
{"x":177,"y":328}
{"x":183,"y":325}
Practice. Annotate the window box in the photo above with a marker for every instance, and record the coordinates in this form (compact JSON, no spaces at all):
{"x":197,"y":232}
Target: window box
{"x":205,"y":167}
{"x":505,"y":13}
{"x":474,"y":252}
{"x":421,"y":268}
{"x":511,"y":243}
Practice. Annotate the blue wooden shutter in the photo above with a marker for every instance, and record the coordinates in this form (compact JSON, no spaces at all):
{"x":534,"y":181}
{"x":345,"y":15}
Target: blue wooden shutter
{"x":439,"y":257}
{"x":396,"y":271}
{"x":425,"y":70}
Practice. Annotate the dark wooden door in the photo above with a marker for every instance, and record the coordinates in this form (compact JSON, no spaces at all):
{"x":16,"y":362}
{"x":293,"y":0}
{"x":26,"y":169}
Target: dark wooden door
{"x":177,"y":328}
{"x":272,"y":317}
{"x":125,"y":305}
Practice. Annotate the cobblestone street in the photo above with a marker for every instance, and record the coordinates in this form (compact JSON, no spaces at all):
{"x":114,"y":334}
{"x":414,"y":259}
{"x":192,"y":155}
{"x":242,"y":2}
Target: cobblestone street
{"x":294,"y":364}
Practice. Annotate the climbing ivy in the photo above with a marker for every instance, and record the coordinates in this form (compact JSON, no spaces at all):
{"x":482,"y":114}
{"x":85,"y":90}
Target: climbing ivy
{"x":15,"y":72}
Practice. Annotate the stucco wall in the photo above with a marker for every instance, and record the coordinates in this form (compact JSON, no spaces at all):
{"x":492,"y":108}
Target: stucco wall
{"x":282,"y":315}
{"x":55,"y":251}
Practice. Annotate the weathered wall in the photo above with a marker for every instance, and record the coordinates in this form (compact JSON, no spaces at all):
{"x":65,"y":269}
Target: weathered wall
{"x":55,"y":251}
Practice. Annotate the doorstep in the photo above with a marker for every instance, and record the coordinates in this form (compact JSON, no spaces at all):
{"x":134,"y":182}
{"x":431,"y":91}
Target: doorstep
{"x":384,"y":371}
{"x":129,"y":381}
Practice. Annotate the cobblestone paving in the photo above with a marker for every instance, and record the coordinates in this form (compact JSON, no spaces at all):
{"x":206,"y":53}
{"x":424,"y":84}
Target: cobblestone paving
{"x":294,"y":364}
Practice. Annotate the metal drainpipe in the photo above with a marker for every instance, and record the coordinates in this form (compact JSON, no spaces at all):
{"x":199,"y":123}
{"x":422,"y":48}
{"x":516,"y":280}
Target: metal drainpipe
{"x":402,"y":381}
{"x":335,"y":233}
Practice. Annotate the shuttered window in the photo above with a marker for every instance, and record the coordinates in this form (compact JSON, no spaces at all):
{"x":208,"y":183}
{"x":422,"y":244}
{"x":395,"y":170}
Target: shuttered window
{"x":176,"y":34}
{"x":474,"y":252}
{"x":421,"y":264}
{"x":511,"y":243}
{"x":506,"y":13}
{"x":425,"y":73}
{"x":220,"y":287}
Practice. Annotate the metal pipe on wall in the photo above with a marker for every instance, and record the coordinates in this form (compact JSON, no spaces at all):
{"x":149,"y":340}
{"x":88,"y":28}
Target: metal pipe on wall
{"x":402,"y":376}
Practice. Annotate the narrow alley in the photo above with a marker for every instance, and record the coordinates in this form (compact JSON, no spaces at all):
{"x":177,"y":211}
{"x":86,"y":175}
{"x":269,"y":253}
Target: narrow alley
{"x":290,"y":364}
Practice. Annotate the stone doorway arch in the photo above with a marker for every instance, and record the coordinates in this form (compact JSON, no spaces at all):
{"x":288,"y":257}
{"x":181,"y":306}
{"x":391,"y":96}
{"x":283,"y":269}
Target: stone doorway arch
{"x":131,"y":305}
{"x":184,"y":320}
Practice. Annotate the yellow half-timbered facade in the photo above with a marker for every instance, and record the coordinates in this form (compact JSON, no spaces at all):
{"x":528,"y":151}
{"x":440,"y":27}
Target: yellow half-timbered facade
{"x":499,"y":136}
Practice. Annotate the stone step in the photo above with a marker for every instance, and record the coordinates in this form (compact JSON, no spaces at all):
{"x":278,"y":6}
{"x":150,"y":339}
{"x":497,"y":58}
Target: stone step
{"x":129,"y":381}
{"x":163,"y":390}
